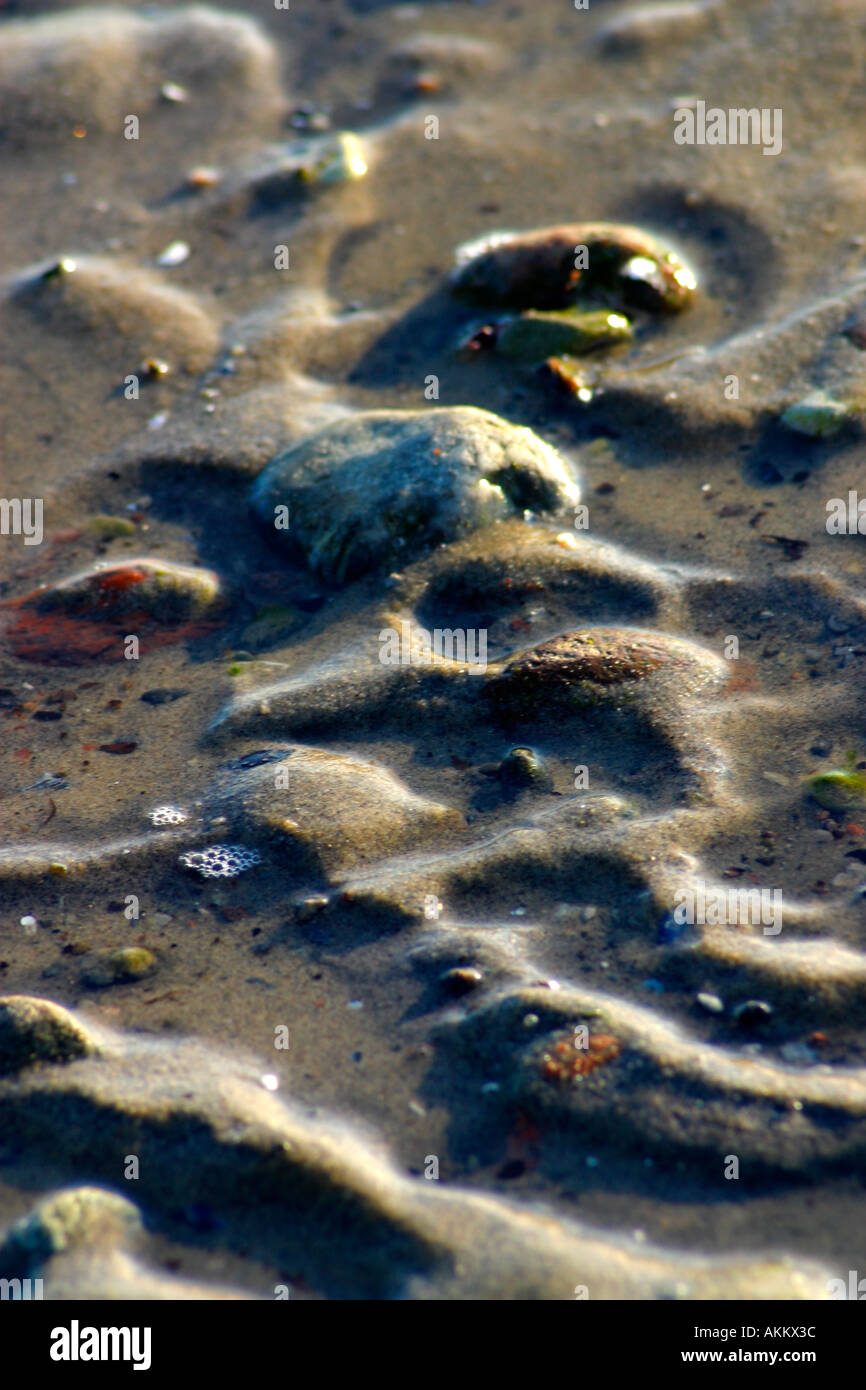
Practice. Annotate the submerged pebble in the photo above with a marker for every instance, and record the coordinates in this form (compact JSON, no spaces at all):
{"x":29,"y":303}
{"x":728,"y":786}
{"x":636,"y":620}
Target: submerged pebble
{"x":80,"y":1217}
{"x":50,"y":782}
{"x":838,"y":790}
{"x":107,"y":528}
{"x":522,"y":768}
{"x":92,"y":612}
{"x":378,"y":488}
{"x":35,"y":1030}
{"x":571,"y":667}
{"x":203,"y":176}
{"x":571,"y":376}
{"x":118,"y":967}
{"x":547,"y":269}
{"x":272,"y":624}
{"x":339,"y":158}
{"x":54,"y":270}
{"x":752,"y":1013}
{"x":163,"y":695}
{"x":461,"y":979}
{"x":537,"y":334}
{"x":310,"y":907}
{"x":174,"y":254}
{"x":818,"y":415}
{"x":670,"y":932}
{"x":159,"y":589}
{"x":286,"y":172}
{"x":259,"y":758}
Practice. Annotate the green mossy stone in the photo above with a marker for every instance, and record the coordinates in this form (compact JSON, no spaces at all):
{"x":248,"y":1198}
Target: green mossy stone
{"x":379,"y":488}
{"x":80,"y":1217}
{"x":272,"y":624}
{"x":107,"y":528}
{"x":119,"y":967}
{"x":533,"y":336}
{"x":523,"y":768}
{"x":818,"y":415}
{"x":838,"y":790}
{"x":35,"y":1030}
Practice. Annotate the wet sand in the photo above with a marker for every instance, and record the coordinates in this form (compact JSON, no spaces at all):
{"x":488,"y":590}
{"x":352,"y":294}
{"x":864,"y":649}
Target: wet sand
{"x":396,"y":852}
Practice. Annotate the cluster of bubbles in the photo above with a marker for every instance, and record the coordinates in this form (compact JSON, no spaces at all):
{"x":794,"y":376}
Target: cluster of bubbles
{"x":168,"y":815}
{"x":221,"y":861}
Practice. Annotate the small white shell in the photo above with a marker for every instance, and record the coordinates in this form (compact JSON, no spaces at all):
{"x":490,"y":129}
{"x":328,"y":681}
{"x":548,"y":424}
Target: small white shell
{"x":174,"y":254}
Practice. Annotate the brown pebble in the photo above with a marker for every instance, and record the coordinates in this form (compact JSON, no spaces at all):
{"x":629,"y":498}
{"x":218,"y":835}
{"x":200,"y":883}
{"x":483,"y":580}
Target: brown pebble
{"x":202,"y":177}
{"x":309,"y":907}
{"x":461,"y":979}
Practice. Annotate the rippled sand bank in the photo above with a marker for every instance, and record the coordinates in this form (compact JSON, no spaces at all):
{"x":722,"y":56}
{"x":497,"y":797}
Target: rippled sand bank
{"x":339,"y":946}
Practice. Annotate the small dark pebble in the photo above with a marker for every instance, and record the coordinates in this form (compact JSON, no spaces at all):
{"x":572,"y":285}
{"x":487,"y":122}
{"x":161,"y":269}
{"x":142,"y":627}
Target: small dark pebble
{"x":514,"y":1168}
{"x":49,"y":783}
{"x":257,"y":759}
{"x":54,"y":269}
{"x":522,"y":768}
{"x":309,"y":907}
{"x":670,"y":932}
{"x":482,"y":340}
{"x":461,"y":979}
{"x":8,"y":699}
{"x":792,"y":548}
{"x":47,"y":716}
{"x":308,"y":603}
{"x":320,"y":936}
{"x":120,"y":747}
{"x":201,"y":1217}
{"x":752,"y":1013}
{"x":855,"y":329}
{"x":162,"y":696}
{"x":357,"y":1056}
{"x":307,"y":118}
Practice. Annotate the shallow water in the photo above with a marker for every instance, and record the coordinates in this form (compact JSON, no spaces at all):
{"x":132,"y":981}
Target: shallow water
{"x":706,"y":522}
